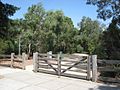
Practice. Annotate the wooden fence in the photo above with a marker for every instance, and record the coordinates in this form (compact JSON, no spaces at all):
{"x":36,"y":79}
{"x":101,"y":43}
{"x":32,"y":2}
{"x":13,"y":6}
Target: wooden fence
{"x":109,"y":70}
{"x":75,"y":65}
{"x":13,"y":60}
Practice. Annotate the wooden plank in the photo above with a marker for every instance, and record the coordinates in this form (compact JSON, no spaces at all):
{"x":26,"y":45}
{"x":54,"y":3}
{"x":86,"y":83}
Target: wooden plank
{"x":17,"y":56}
{"x":108,"y":61}
{"x":82,"y":60}
{"x":63,"y":68}
{"x":45,"y":55}
{"x":108,"y":69}
{"x":79,"y":54}
{"x":73,"y":75}
{"x":77,"y":70}
{"x":71,"y":66}
{"x":51,"y":66}
{"x":5,"y":59}
{"x":45,"y":66}
{"x":47,"y":71}
{"x":51,"y":62}
{"x":46,"y":58}
{"x":17,"y":60}
{"x":63,"y":74}
{"x":5,"y":56}
{"x":81,"y":66}
{"x":109,"y":79}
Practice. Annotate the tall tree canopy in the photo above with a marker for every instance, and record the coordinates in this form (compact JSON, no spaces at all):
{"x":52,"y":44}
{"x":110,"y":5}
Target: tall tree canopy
{"x":90,"y":31}
{"x":107,"y":9}
{"x":47,"y":29}
{"x":6,"y":10}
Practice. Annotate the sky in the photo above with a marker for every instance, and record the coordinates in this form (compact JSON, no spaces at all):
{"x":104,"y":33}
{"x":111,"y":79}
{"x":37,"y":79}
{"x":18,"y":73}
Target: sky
{"x":75,"y":9}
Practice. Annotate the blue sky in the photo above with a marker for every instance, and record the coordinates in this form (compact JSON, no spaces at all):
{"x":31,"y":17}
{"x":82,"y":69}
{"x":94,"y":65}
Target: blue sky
{"x":75,"y":9}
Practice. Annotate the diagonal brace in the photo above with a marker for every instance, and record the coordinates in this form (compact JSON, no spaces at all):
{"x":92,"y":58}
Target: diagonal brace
{"x":72,"y":66}
{"x":51,"y":66}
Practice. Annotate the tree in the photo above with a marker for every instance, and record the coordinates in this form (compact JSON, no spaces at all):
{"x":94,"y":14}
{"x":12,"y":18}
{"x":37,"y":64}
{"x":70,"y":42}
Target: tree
{"x":62,"y":29}
{"x":7,"y":33}
{"x":111,"y":41}
{"x":89,"y":34}
{"x":6,"y":10}
{"x":33,"y":24}
{"x":107,"y":9}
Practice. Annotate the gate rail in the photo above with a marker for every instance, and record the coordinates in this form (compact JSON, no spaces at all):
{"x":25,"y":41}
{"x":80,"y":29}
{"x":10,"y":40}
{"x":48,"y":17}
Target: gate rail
{"x":55,"y":62}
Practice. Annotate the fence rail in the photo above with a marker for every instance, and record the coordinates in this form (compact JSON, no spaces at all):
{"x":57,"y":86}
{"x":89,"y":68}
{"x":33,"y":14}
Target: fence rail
{"x":14,"y":59}
{"x":108,"y":67}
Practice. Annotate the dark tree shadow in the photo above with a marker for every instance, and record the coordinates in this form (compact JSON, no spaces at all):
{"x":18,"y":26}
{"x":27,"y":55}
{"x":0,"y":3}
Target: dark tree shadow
{"x":106,"y":87}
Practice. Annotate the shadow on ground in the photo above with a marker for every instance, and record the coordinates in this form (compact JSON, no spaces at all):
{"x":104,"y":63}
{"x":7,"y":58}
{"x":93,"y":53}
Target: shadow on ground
{"x":106,"y":87}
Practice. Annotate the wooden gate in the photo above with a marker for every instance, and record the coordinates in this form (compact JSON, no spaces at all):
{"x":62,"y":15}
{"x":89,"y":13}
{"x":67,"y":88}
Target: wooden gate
{"x":75,"y":65}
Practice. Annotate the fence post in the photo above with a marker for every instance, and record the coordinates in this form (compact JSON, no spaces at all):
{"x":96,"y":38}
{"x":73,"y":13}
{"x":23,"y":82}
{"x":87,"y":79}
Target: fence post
{"x":89,"y":67}
{"x":23,"y":60}
{"x":49,"y":54}
{"x":94,"y":68}
{"x":59,"y":63}
{"x":12,"y":59}
{"x":35,"y":62}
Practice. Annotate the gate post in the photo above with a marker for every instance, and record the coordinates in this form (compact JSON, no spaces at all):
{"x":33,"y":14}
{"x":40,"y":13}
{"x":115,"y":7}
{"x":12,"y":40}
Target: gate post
{"x":94,"y":68}
{"x":12,"y":59}
{"x":59,"y":63}
{"x":89,"y":67}
{"x":49,"y":54}
{"x":35,"y":62}
{"x":23,"y":60}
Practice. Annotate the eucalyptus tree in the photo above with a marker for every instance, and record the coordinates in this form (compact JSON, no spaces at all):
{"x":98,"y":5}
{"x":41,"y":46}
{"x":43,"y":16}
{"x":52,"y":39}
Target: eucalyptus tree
{"x":61,"y":28}
{"x":89,"y":32}
{"x":107,"y":9}
{"x":34,"y":19}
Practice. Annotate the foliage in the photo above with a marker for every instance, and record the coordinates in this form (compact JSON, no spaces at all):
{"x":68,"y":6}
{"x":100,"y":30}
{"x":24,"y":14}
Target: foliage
{"x":45,"y":31}
{"x":6,"y":10}
{"x":89,"y":34}
{"x":111,"y":41}
{"x":6,"y":32}
{"x":107,"y":9}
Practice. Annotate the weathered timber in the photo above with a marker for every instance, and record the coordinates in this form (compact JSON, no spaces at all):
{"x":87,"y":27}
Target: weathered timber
{"x":49,"y":54}
{"x":89,"y":67}
{"x":94,"y":68}
{"x":35,"y":62}
{"x":5,"y":56}
{"x":51,"y":66}
{"x":108,"y":69}
{"x":109,"y":79}
{"x":108,"y":61}
{"x":59,"y":63}
{"x":23,"y":60}
{"x":12,"y":59}
{"x":72,"y":66}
